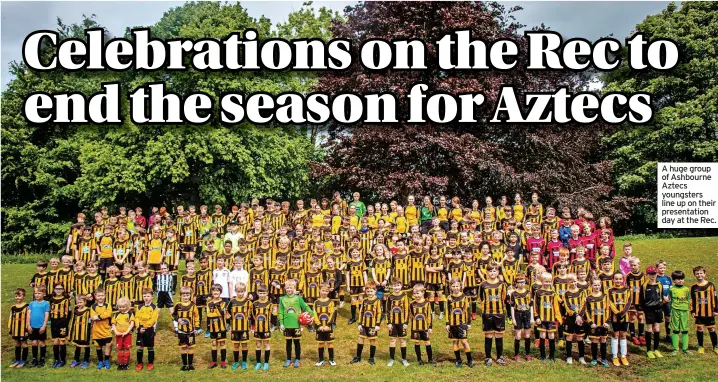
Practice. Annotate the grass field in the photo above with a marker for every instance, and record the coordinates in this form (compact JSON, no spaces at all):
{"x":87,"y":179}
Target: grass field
{"x":679,"y":253}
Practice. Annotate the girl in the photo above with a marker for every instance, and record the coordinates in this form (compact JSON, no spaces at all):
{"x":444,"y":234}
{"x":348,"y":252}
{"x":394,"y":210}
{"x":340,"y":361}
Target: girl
{"x":459,"y":322}
{"x":522,"y":316}
{"x":59,"y":314}
{"x":595,"y":309}
{"x":619,"y":302}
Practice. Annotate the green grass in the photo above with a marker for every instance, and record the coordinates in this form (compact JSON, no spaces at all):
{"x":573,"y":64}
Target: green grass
{"x":679,"y":253}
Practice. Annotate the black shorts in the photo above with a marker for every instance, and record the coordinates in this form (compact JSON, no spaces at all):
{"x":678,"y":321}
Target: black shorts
{"x":619,"y":326}
{"x":367,"y":332}
{"x":572,"y":327}
{"x":420,"y":335}
{"x":493,"y":323}
{"x":458,"y":332}
{"x":186,"y":339}
{"x":598,"y":331}
{"x":653,"y":315}
{"x":153,"y":267}
{"x":146,"y":339}
{"x":81,"y":343}
{"x":262,"y":335}
{"x":188,"y":248}
{"x":35,"y":335}
{"x":58,"y":328}
{"x":706,"y":321}
{"x":218,"y":335}
{"x":105,"y":263}
{"x":434,"y":288}
{"x":19,"y":338}
{"x":636,"y":309}
{"x":356,"y":291}
{"x":201,"y":301}
{"x":470,"y":291}
{"x":274,"y":298}
{"x":666,"y":310}
{"x":325,"y":336}
{"x":101,"y":342}
{"x":292,"y":333}
{"x":333,"y":295}
{"x":523,"y":319}
{"x":547,"y":327}
{"x":164,"y":300}
{"x":240,"y":336}
{"x":397,"y":331}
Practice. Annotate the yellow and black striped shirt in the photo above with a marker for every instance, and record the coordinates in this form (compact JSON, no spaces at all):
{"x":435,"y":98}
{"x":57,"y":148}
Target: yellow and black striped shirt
{"x":397,"y":309}
{"x":370,"y":312}
{"x":141,"y":282}
{"x":189,"y":281}
{"x":619,"y":299}
{"x":400,"y":266}
{"x":356,"y":271}
{"x":547,"y":305}
{"x":381,"y":268}
{"x":277,"y":277}
{"x":41,"y":279}
{"x":313,"y":280}
{"x":90,"y":283}
{"x":261,"y":314}
{"x":456,"y":269}
{"x":171,"y":249}
{"x":189,"y":233}
{"x":573,"y":301}
{"x":596,"y":309}
{"x":257,"y":277}
{"x":17,"y":323}
{"x":80,"y":325}
{"x":606,"y":281}
{"x":67,"y":279}
{"x":325,"y":312}
{"x":187,"y":317}
{"x":59,"y":306}
{"x":241,"y":312}
{"x":521,"y":301}
{"x":509,"y":270}
{"x":459,"y":308}
{"x":635,"y":282}
{"x":417,"y":265}
{"x":703,"y":300}
{"x":580,"y":264}
{"x":492,"y":296}
{"x":470,"y":274}
{"x":420,"y":315}
{"x":560,"y":284}
{"x":203,"y":281}
{"x":433,"y":277}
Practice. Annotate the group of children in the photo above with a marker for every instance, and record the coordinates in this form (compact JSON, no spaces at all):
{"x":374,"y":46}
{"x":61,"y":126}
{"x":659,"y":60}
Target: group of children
{"x":554,"y":277}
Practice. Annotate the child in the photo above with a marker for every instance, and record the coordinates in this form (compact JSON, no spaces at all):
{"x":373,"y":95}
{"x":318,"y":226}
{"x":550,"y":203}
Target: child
{"x":547,"y":314}
{"x":666,"y":282}
{"x":594,"y":309}
{"x":122,"y":324}
{"x":90,"y":282}
{"x":680,"y":298}
{"x":189,"y":279}
{"x":356,"y":278}
{"x":59,"y":313}
{"x":41,"y":277}
{"x":101,"y":314}
{"x":66,"y":276}
{"x":277,"y":277}
{"x":573,"y":301}
{"x":651,"y":304}
{"x":458,"y":323}
{"x":185,"y":319}
{"x":635,"y":279}
{"x":397,"y":308}
{"x":421,"y":324}
{"x":164,"y":283}
{"x":201,"y":293}
{"x":434,"y":276}
{"x":80,"y":327}
{"x":522,"y":316}
{"x":704,"y":307}
{"x":290,"y":306}
{"x":220,"y":276}
{"x":146,"y":316}
{"x":238,"y":274}
{"x":324,"y":319}
{"x":18,"y":328}
{"x":142,"y":280}
{"x":38,"y":313}
{"x":239,"y":311}
{"x":369,"y":314}
{"x":261,"y":313}
{"x":492,"y":295}
{"x":624,"y":265}
{"x":619,"y":299}
{"x":113,"y":287}
{"x":217,"y":325}
{"x":333,"y":275}
{"x":314,"y":279}
{"x":127,"y":282}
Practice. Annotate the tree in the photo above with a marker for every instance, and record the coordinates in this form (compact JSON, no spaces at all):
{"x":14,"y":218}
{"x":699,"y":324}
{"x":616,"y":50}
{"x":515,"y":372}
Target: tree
{"x":685,"y":101}
{"x":471,"y":161}
{"x":51,"y":172}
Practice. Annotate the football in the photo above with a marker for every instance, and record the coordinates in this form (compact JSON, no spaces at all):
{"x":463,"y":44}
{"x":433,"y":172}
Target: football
{"x":305,"y":318}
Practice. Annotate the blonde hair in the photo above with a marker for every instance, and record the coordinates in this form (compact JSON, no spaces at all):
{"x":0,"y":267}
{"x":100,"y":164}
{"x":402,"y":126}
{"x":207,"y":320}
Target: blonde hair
{"x":123,"y":302}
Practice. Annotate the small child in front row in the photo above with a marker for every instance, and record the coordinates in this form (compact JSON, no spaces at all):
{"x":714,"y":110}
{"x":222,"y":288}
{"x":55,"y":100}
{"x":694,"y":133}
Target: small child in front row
{"x":397,"y":310}
{"x":595,"y":310}
{"x":421,"y":324}
{"x":122,"y":324}
{"x":80,"y":327}
{"x":619,"y":298}
{"x":17,"y":324}
{"x":704,"y":308}
{"x":458,"y":322}
{"x":290,"y":306}
{"x":522,"y":316}
{"x":369,"y":318}
{"x":146,"y":316}
{"x":652,"y":307}
{"x":217,"y":323}
{"x":324,"y":319}
{"x":680,"y":297}
{"x":239,"y":311}
{"x":261,"y":316}
{"x":38,"y":313}
{"x":185,"y":319}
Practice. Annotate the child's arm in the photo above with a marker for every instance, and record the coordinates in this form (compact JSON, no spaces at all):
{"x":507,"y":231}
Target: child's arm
{"x":280,"y":314}
{"x":304,"y":307}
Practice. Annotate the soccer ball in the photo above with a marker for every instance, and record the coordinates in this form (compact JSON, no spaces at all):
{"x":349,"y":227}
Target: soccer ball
{"x":305,"y":318}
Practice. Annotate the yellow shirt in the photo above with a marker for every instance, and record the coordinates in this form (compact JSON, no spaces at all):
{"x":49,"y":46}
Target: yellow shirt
{"x":155,"y":252}
{"x":402,"y":225}
{"x":412,"y":215}
{"x":121,"y":321}
{"x":106,"y":247}
{"x":101,"y":328}
{"x":146,"y":316}
{"x":317,"y":220}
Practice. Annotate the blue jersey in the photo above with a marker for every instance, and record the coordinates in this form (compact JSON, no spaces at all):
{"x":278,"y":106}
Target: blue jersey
{"x":37,"y":313}
{"x":666,"y":281}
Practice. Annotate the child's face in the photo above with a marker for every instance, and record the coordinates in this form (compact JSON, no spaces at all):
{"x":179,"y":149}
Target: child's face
{"x":220,"y":263}
{"x":607,"y":266}
{"x":126,"y":271}
{"x":315,"y":267}
{"x":330,"y":263}
{"x":653,"y":277}
{"x":141,"y":269}
{"x":147,"y":298}
{"x":256,"y":261}
{"x":92,"y":268}
{"x":635,"y":266}
{"x":19,"y":297}
{"x":54,"y":264}
{"x":418,"y":294}
{"x":370,"y":292}
{"x":296,"y":262}
{"x":627,"y":251}
{"x":580,"y":253}
{"x":164,"y":270}
{"x":78,"y":268}
{"x":100,"y":297}
{"x":41,"y":269}
{"x":185,"y":296}
{"x":324,"y":292}
{"x":661,"y":269}
{"x":38,"y":295}
{"x":581,"y":275}
{"x":80,"y":304}
{"x":596,"y":286}
{"x":262,"y":296}
{"x":190,"y":268}
{"x":456,"y":288}
{"x":546,"y":282}
{"x":700,"y":275}
{"x":679,"y":282}
{"x":289,"y":289}
{"x":216,"y":293}
{"x":66,"y":263}
{"x":493,"y":273}
{"x":618,"y":279}
{"x":534,"y":259}
{"x":572,"y":283}
{"x":396,"y":287}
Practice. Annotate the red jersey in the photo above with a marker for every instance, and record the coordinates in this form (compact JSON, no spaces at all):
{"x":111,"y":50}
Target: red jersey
{"x":590,"y":242}
{"x":572,"y":245}
{"x":552,"y":249}
{"x":534,"y":245}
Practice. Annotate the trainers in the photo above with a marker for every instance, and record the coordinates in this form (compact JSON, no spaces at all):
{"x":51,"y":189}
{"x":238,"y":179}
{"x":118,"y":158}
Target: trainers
{"x":33,"y":363}
{"x":432,"y":363}
{"x":265,"y":367}
{"x":84,"y":365}
{"x":101,"y":365}
{"x":715,"y":350}
{"x":351,"y":321}
{"x":150,"y":366}
{"x":258,"y":366}
{"x":287,"y":363}
{"x":139,"y":367}
{"x":21,"y":364}
{"x":405,"y":362}
{"x":674,"y":353}
{"x":296,"y":363}
{"x":616,"y":362}
{"x":190,"y":368}
{"x":371,"y":361}
{"x":14,"y":364}
{"x":235,"y":366}
{"x":206,"y":335}
{"x":686,"y":352}
{"x":636,"y":341}
{"x":488,"y":362}
{"x":458,"y":364}
{"x":624,"y":361}
{"x":54,"y":364}
{"x":223,"y":365}
{"x":701,"y":350}
{"x":183,"y":368}
{"x":212,"y":365}
{"x":650,"y":355}
{"x":470,"y":364}
{"x":501,"y":361}
{"x":77,"y":363}
{"x":244,"y":365}
{"x":642,"y":340}
{"x":332,"y":362}
{"x":582,"y":361}
{"x":319,"y":363}
{"x":604,"y":363}
{"x":593,"y":363}
{"x":355,"y":360}
{"x":62,"y":364}
{"x":517,"y":358}
{"x":107,"y":365}
{"x":529,"y":357}
{"x":421,"y":363}
{"x":657,"y":354}
{"x":390,"y":363}
{"x":200,"y":331}
{"x":569,"y":360}
{"x":537,"y":343}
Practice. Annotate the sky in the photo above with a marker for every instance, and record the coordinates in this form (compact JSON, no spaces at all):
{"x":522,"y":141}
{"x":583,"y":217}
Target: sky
{"x":587,"y":19}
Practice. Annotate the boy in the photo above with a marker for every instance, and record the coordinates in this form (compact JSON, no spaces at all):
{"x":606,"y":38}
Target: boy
{"x":112,"y":286}
{"x":397,"y":309}
{"x":651,"y":304}
{"x":546,"y":314}
{"x":220,"y":276}
{"x":38,"y":313}
{"x":492,"y":295}
{"x":421,"y":324}
{"x":277,"y":278}
{"x":146,"y":317}
{"x":201,"y":293}
{"x":522,"y":315}
{"x":458,"y":323}
{"x":704,"y":307}
{"x":185,"y":319}
{"x":189,"y":279}
{"x":171,"y":254}
{"x":101,"y":314}
{"x":666,"y":282}
{"x":369,"y":314}
{"x":105,"y":248}
{"x":261,"y":313}
{"x":165,"y":287}
{"x":41,"y":277}
{"x":127,"y":282}
{"x":573,"y":301}
{"x":595,"y":310}
{"x":80,"y":328}
{"x":680,"y":298}
{"x":142,"y":280}
{"x":356,"y":277}
{"x":290,"y":306}
{"x":217,"y":326}
{"x":59,"y":314}
{"x":239,"y":311}
{"x":324,"y":318}
{"x":122,"y":323}
{"x":619,"y":299}
{"x":90,"y":282}
{"x":635,"y":279}
{"x":17,"y":324}
{"x":66,"y":276}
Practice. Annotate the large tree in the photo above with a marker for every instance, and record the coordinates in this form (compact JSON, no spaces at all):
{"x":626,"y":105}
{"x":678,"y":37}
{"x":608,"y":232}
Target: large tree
{"x":471,"y":161}
{"x":51,"y":172}
{"x":685,"y":100}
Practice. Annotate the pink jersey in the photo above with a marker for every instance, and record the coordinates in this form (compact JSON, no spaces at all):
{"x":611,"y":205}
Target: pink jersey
{"x":552,"y":249}
{"x":536,"y":245}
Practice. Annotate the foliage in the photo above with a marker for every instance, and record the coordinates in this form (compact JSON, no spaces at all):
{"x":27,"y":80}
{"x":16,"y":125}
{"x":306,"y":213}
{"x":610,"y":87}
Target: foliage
{"x":51,"y":172}
{"x":392,"y":161}
{"x":685,"y":123}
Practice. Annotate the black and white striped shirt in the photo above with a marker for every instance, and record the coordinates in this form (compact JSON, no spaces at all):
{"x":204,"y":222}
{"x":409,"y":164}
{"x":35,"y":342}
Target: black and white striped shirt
{"x":164,"y":283}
